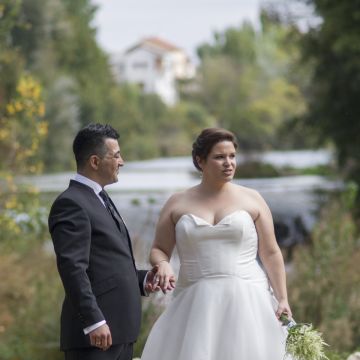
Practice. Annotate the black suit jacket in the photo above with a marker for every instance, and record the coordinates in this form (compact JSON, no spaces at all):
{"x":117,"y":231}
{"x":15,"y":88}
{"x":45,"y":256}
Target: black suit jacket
{"x":97,"y":268}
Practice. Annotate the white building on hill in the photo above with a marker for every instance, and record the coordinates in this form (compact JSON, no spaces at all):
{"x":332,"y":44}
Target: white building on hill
{"x":155,"y":65}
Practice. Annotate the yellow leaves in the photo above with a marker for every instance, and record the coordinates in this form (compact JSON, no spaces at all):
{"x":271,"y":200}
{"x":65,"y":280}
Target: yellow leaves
{"x":28,"y":100}
{"x":10,"y":108}
{"x":23,"y":128}
{"x":19,"y":106}
{"x":33,"y":190}
{"x":35,"y":169}
{"x":4,"y":133}
{"x":43,"y":128}
{"x":20,"y":215}
{"x":29,"y":88}
{"x":9,"y":226}
{"x":41,"y":109}
{"x":7,"y":186}
{"x":11,"y":203}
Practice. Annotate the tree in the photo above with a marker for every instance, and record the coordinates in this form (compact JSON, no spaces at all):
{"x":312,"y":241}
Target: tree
{"x":247,"y":81}
{"x":55,"y":41}
{"x":334,"y":107}
{"x":11,"y":64}
{"x":62,"y":107}
{"x":22,"y":128}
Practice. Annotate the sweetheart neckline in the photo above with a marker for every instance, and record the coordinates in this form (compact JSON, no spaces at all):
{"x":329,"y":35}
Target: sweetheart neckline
{"x":219,"y":222}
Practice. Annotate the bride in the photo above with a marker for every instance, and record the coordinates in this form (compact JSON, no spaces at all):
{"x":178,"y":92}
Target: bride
{"x":227,"y":303}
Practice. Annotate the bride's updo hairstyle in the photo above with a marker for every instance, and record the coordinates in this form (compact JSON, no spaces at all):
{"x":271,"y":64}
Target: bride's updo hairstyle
{"x":207,"y":139}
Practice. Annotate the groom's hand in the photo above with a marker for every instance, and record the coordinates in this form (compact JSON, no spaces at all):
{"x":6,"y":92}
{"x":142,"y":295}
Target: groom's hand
{"x":150,"y":285}
{"x":101,"y":337}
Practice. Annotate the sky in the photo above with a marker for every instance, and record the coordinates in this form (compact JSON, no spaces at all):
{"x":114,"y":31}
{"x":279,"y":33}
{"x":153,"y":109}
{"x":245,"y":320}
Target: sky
{"x":184,"y":23}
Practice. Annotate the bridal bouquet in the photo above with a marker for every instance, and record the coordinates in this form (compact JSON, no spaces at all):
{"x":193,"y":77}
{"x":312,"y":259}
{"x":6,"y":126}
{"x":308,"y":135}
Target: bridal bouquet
{"x":303,"y":341}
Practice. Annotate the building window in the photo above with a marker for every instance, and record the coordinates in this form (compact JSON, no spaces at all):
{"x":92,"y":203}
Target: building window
{"x":140,"y":65}
{"x":158,"y":63}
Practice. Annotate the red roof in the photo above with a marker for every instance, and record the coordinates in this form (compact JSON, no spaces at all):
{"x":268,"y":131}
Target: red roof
{"x":156,"y":43}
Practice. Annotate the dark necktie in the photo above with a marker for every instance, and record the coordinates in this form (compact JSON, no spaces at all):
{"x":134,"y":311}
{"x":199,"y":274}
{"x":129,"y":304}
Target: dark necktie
{"x":111,"y":209}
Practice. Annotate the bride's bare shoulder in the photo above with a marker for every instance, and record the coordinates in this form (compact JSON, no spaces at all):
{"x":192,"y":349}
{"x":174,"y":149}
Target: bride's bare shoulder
{"x":180,"y":197}
{"x":177,"y":204}
{"x":246,"y":191}
{"x":251,"y":200}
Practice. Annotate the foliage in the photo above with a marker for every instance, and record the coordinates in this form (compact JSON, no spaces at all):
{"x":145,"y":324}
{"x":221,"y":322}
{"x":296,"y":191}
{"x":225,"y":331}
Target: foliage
{"x":303,"y":341}
{"x":56,"y":38}
{"x":22,"y":128}
{"x":334,"y":109}
{"x":151,"y":311}
{"x":83,"y":59}
{"x":62,"y":108}
{"x":30,"y":290}
{"x":26,"y":299}
{"x":247,"y":82}
{"x":22,"y":131}
{"x":54,"y":41}
{"x":255,"y":169}
{"x":149,"y":129}
{"x":337,"y":356}
{"x":180,"y":127}
{"x":324,"y":287}
{"x":10,"y":63}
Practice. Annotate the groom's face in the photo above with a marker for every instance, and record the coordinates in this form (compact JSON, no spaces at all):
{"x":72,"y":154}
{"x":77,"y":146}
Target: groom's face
{"x":110,"y":163}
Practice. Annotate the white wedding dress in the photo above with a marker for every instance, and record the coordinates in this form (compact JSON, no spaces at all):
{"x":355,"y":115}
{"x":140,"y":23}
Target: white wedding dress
{"x":223,"y":307}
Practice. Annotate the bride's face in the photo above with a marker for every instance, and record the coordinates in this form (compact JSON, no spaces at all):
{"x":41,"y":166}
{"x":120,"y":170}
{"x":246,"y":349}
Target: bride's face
{"x":221,"y":161}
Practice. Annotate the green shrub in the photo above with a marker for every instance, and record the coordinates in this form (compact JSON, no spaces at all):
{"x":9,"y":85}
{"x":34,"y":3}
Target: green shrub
{"x":325,"y":285}
{"x":151,"y":311}
{"x":255,"y":169}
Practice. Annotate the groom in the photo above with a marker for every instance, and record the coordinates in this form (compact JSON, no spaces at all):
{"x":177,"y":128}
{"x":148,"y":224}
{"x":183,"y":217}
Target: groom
{"x":101,"y":312}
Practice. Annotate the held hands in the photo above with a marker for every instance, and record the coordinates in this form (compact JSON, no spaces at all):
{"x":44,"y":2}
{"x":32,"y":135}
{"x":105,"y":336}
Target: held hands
{"x":101,"y":337}
{"x":150,"y":285}
{"x":164,"y":279}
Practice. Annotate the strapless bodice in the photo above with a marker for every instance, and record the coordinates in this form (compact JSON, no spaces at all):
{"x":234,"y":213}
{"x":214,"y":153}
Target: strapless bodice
{"x":222,"y":307}
{"x":228,"y":248}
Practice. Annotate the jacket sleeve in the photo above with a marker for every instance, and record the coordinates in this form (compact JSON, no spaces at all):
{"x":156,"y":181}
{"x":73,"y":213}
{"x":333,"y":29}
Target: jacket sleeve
{"x":141,"y":277}
{"x":70,"y":230}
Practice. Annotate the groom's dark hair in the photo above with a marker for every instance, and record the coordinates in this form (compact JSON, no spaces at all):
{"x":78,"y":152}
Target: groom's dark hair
{"x":90,"y":140}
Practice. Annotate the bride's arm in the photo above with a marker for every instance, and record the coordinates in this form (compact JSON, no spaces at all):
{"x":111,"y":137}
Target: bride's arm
{"x":163,"y":247}
{"x":271,"y":256}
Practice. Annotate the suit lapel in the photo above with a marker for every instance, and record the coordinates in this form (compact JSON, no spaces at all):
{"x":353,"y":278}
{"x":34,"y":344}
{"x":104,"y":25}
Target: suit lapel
{"x":90,"y":191}
{"x":127,"y":232}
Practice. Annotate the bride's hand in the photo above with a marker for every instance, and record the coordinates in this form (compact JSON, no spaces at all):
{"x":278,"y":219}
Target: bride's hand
{"x":165,"y":277}
{"x":283,"y":308}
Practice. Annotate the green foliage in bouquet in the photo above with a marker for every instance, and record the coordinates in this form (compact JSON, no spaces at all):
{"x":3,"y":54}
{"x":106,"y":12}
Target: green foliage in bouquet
{"x":303,"y":341}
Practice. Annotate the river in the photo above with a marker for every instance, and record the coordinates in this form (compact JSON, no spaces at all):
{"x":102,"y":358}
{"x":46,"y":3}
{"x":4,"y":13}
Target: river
{"x":144,"y":186}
